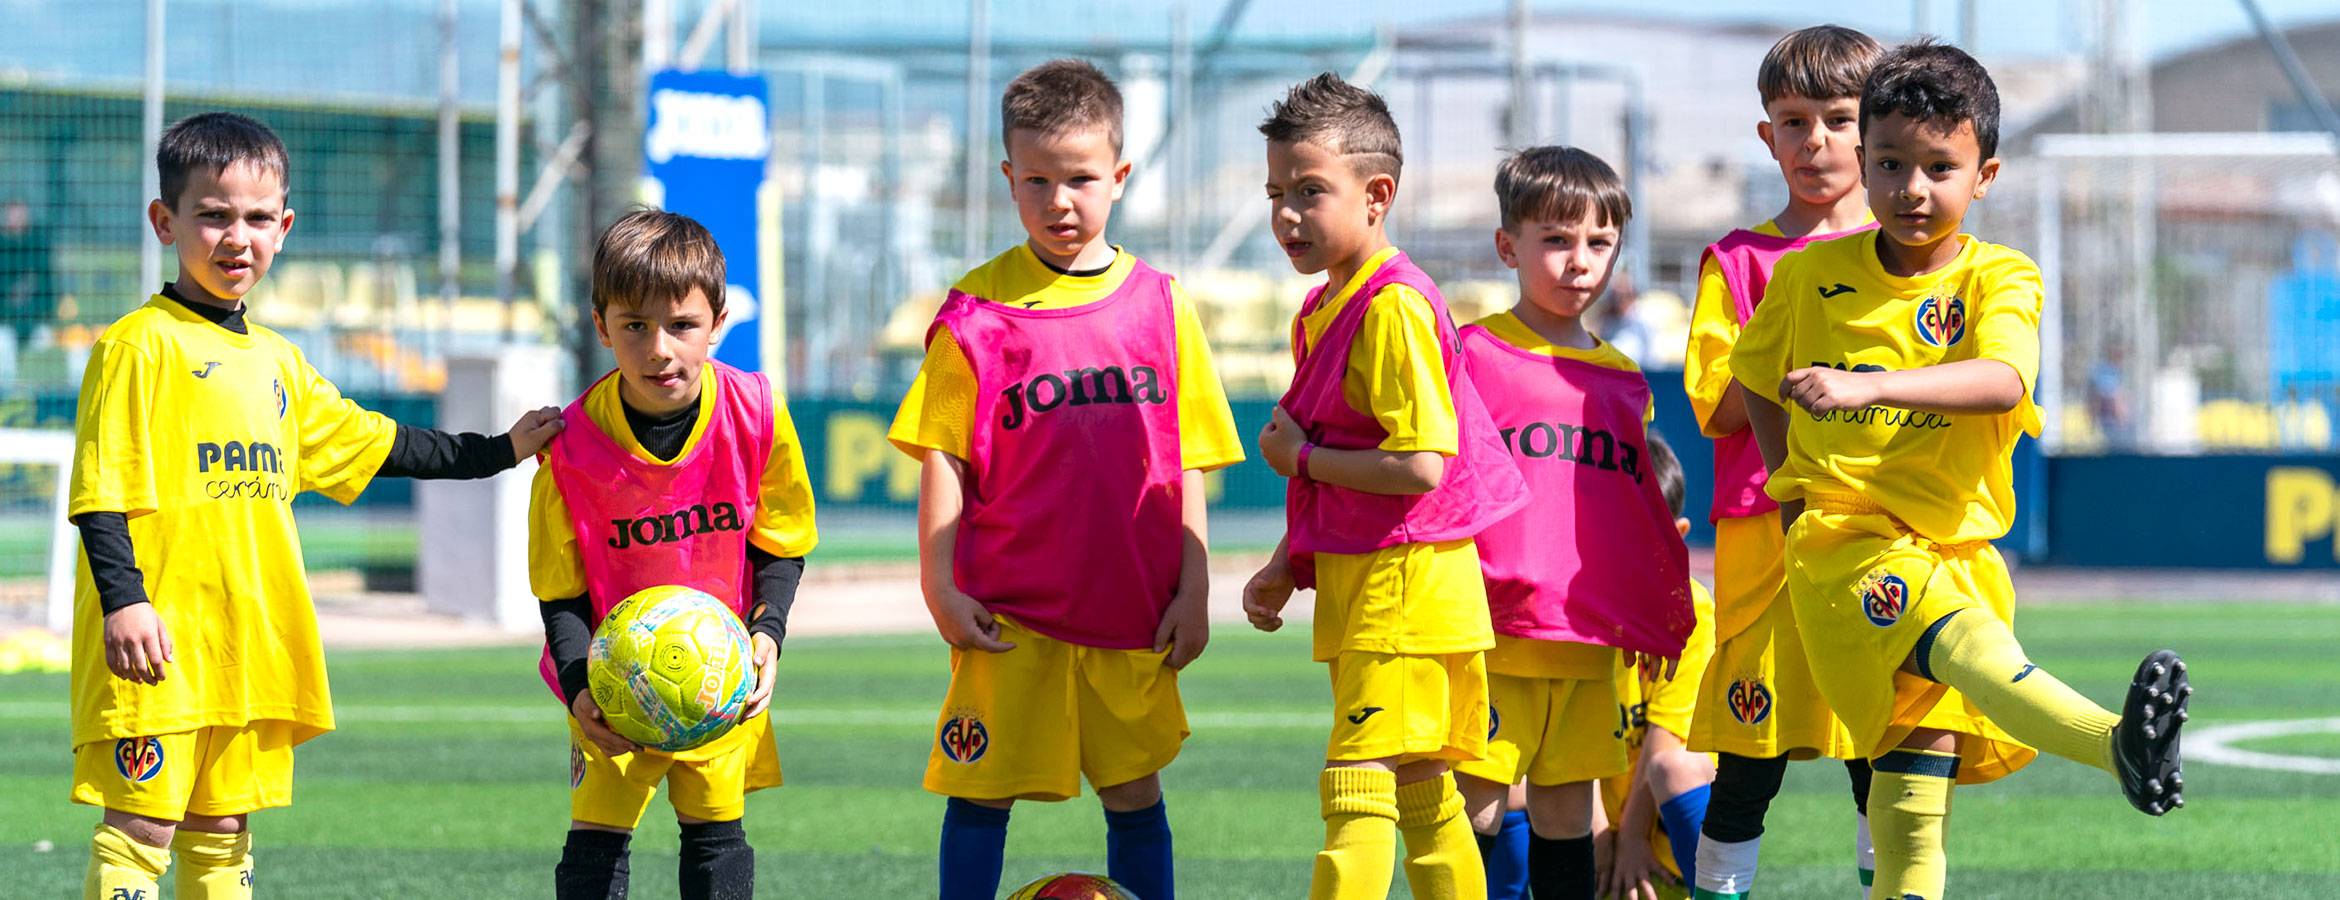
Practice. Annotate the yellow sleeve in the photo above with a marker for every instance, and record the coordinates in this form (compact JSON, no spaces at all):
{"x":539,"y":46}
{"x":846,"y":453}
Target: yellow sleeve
{"x":1206,"y":426}
{"x":784,"y":509}
{"x":1759,"y":359}
{"x":939,"y":411}
{"x":555,"y":570}
{"x":1714,"y":327}
{"x":113,"y":468}
{"x":2006,"y":327}
{"x":342,"y":444}
{"x":1397,"y":374}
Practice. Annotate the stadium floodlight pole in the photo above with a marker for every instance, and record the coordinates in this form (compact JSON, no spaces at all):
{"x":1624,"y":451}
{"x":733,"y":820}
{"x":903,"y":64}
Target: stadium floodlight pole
{"x":971,"y":222}
{"x":1519,"y":119}
{"x":507,"y":157}
{"x":2301,"y":83}
{"x":743,"y":37}
{"x":657,"y":34}
{"x":450,"y":170}
{"x":150,"y":181}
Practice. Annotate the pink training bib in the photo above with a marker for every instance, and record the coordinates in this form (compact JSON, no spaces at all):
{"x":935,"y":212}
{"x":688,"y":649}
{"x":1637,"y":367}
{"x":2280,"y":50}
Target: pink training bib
{"x":1594,"y":557}
{"x":641,"y":524}
{"x":1745,"y":259}
{"x":1481,"y":484}
{"x":1072,"y":518}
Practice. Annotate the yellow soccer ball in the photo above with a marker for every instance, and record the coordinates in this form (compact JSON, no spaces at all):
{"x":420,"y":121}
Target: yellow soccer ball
{"x":670,"y":668}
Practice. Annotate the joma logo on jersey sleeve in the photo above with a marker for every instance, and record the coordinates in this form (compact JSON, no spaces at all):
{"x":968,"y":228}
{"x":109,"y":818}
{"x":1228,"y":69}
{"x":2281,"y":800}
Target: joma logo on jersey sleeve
{"x":1081,"y":387}
{"x":235,"y":456}
{"x":1585,"y":446}
{"x":673,"y":526}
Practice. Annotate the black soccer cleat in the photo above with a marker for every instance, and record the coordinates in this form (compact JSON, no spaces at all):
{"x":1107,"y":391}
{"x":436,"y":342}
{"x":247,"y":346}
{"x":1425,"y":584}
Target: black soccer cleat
{"x":2145,"y":743}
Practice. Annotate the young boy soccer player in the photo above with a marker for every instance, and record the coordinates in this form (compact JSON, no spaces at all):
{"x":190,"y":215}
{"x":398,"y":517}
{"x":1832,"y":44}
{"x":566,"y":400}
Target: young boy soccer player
{"x":1909,"y":354}
{"x":676,"y":438}
{"x":1593,"y":562}
{"x":1394,"y":467}
{"x":1652,"y":811}
{"x":1065,"y":413}
{"x":196,"y":664}
{"x":1760,"y":708}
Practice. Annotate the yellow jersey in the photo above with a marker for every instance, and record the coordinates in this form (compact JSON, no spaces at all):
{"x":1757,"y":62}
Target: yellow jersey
{"x":1947,"y":477}
{"x":201,"y":437}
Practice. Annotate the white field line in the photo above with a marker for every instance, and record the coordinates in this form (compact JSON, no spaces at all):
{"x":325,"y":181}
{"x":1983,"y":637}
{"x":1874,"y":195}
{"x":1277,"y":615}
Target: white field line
{"x":547,"y":712}
{"x":2215,"y":745}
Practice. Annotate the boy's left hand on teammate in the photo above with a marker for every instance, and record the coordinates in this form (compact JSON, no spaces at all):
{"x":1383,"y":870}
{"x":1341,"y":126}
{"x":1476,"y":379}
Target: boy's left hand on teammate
{"x":1821,"y":390}
{"x":767,"y":668}
{"x":1185,"y":630}
{"x":1663,"y":666}
{"x":1280,"y":441}
{"x":534,"y":430}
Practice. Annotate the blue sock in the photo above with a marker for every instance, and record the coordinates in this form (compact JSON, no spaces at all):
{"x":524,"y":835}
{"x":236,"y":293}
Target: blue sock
{"x":974,"y":845}
{"x":1137,"y":851}
{"x":1506,"y":853}
{"x":1682,"y":817}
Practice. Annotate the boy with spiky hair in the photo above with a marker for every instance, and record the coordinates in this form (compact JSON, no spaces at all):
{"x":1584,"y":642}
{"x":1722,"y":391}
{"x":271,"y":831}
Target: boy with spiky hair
{"x":196,"y":663}
{"x":1394,"y":467}
{"x":1065,"y":414}
{"x":1760,"y":708}
{"x":1910,"y":354}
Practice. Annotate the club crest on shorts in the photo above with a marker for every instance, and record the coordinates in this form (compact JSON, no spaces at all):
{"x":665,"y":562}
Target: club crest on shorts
{"x":1494,"y":721}
{"x":964,"y":739}
{"x":576,"y":766}
{"x":138,"y":759}
{"x":1750,"y":701}
{"x":1941,"y":321}
{"x":1884,"y":596}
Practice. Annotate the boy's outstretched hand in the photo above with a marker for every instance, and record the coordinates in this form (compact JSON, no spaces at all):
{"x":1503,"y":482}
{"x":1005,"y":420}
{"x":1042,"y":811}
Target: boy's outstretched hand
{"x":1266,"y":593}
{"x":535,"y":429}
{"x":596,"y":728}
{"x":137,"y":645}
{"x":767,"y":668}
{"x":1185,"y":628}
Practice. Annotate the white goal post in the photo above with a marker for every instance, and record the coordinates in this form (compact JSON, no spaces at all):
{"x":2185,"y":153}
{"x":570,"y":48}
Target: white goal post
{"x":50,"y":448}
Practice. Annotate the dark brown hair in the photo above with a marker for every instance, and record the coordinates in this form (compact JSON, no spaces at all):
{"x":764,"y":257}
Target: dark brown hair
{"x":1823,"y":62}
{"x":1059,"y":96}
{"x":652,"y":254}
{"x":1559,"y":184}
{"x":1340,"y":117}
{"x":1668,"y":469}
{"x":212,"y":142}
{"x":1934,"y":82}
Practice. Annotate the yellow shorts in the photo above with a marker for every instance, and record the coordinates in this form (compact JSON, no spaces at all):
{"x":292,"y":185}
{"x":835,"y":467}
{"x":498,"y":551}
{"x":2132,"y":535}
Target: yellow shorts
{"x":710,"y":782}
{"x":1405,"y":707}
{"x":1550,"y":731}
{"x":1030,"y":723}
{"x":220,"y":770}
{"x":1865,"y":589}
{"x":1672,"y":703}
{"x":1757,"y":698}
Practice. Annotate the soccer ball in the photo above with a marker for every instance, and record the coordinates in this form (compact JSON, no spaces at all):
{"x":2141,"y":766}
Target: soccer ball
{"x":670,"y":668}
{"x":1073,"y":886}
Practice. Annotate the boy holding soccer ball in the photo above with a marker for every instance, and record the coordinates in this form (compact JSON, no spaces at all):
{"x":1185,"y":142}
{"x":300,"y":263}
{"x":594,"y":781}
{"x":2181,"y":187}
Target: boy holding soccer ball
{"x":706,"y":454}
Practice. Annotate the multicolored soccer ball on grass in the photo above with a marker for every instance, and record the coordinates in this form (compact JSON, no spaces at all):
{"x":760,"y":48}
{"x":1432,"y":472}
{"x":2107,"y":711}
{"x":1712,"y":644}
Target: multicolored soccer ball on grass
{"x":1073,"y":886}
{"x":670,"y":668}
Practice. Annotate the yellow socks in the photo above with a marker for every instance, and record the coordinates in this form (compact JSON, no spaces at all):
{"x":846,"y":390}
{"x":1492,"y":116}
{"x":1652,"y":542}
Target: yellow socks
{"x":1908,"y":800}
{"x":1977,"y":654}
{"x":121,"y":868}
{"x":1442,"y":854}
{"x":1360,"y":834}
{"x":213,"y":866}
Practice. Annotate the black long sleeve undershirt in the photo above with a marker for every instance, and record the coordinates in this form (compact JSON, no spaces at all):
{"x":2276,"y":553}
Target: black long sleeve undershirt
{"x":568,"y":628}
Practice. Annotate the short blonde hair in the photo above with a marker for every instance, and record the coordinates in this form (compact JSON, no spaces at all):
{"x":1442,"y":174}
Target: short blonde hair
{"x":1559,"y":184}
{"x":1059,"y":96}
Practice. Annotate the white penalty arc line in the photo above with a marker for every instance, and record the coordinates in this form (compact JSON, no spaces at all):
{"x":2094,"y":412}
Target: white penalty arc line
{"x":782,"y":716}
{"x":2215,"y":745}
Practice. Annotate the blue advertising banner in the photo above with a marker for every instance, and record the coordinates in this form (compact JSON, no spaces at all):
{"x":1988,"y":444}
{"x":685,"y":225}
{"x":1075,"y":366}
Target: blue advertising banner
{"x":706,"y":146}
{"x":2239,"y":512}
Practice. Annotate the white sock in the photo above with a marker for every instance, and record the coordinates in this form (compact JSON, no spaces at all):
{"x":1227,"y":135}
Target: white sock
{"x":1727,"y":868}
{"x":1864,"y":853}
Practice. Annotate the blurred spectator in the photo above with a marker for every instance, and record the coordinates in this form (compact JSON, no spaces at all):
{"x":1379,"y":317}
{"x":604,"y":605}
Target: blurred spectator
{"x":28,"y":296}
{"x":2108,"y":401}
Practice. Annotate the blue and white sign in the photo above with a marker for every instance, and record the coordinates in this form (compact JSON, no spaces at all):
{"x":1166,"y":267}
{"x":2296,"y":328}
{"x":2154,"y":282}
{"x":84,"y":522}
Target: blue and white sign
{"x":706,"y":145}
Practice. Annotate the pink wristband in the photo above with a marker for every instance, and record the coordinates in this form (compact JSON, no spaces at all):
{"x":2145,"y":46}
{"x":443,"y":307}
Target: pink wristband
{"x":1302,"y":463}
